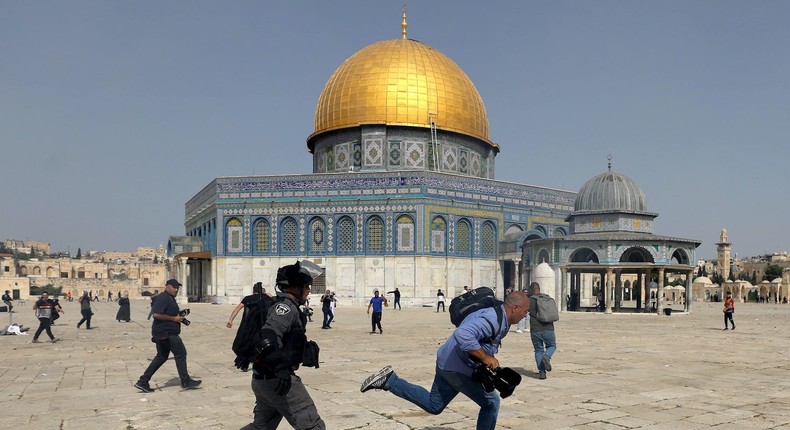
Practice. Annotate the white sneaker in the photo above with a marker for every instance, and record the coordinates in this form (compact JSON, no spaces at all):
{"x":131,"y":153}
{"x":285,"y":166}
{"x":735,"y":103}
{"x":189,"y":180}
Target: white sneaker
{"x":519,"y":331}
{"x":378,"y":380}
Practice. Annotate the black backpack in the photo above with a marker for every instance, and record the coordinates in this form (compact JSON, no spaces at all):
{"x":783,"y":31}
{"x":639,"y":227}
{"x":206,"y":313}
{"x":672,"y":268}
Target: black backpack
{"x":248,"y":335}
{"x":472,"y":301}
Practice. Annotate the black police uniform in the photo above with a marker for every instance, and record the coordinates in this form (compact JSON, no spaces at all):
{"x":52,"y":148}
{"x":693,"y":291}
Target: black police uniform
{"x":274,"y":371}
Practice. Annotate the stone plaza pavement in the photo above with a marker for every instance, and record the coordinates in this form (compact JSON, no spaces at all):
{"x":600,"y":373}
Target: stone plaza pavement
{"x":610,"y":372}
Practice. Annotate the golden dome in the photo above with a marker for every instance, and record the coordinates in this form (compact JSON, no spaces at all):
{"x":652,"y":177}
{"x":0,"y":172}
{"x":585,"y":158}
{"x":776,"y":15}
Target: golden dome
{"x":401,"y":82}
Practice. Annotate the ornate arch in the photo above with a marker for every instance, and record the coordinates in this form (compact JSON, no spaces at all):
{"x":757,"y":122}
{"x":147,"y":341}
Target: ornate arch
{"x":316,"y":242}
{"x":584,"y":255}
{"x":543,"y":256}
{"x":374,"y":235}
{"x":560,"y":232}
{"x":262,"y":235}
{"x":488,"y":238}
{"x":463,"y":237}
{"x":289,"y":235}
{"x":439,"y":234}
{"x":635,"y":254}
{"x":346,"y":235}
{"x":404,"y":231}
{"x":234,"y":232}
{"x":680,"y":255}
{"x":513,"y":228}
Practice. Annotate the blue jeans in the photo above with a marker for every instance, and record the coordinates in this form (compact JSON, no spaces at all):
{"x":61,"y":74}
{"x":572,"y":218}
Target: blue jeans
{"x":545,"y":343}
{"x":446,"y":385}
{"x":328,"y":316}
{"x":523,"y":324}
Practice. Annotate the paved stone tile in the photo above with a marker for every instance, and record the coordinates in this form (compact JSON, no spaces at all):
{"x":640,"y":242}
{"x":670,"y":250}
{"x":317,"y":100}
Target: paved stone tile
{"x":610,"y":372}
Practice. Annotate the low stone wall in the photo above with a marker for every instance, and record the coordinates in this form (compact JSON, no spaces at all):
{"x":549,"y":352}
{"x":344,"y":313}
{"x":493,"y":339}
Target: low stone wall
{"x":99,"y":287}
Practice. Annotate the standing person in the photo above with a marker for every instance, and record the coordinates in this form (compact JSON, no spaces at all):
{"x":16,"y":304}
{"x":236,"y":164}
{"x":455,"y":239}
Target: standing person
{"x":543,"y":338}
{"x":7,"y":300}
{"x":165,"y":331}
{"x":124,"y":309}
{"x":376,"y":302}
{"x":279,"y":392}
{"x":326,"y":308}
{"x":55,"y":315}
{"x":85,"y":310}
{"x":474,"y":343}
{"x":439,"y":300}
{"x":153,"y":297}
{"x":44,"y":308}
{"x":396,"y":303}
{"x":247,"y":302}
{"x":729,"y":309}
{"x":523,"y":323}
{"x":109,"y":296}
{"x":68,"y":296}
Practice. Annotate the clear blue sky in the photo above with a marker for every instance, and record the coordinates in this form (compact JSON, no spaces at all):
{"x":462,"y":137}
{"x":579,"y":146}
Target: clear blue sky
{"x":114,"y":113}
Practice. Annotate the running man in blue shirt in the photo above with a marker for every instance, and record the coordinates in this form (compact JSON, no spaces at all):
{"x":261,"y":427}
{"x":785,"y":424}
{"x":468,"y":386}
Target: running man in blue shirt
{"x":475,"y":341}
{"x":377,"y":302}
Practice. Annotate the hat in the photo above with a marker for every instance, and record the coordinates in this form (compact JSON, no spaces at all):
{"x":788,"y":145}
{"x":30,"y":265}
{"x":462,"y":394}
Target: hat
{"x":173,"y":283}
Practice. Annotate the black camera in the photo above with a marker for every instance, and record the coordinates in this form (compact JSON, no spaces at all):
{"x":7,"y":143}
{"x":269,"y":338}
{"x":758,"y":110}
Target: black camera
{"x":503,"y":379}
{"x":184,"y":313}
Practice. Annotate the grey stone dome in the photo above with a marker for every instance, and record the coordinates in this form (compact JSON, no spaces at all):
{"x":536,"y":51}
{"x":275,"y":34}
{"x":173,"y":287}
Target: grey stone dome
{"x":610,"y":191}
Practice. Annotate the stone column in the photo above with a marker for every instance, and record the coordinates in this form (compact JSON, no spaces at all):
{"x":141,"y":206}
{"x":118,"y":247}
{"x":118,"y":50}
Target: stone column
{"x":563,"y":288}
{"x":184,"y":280}
{"x":608,"y":291}
{"x":689,"y":274}
{"x":660,"y":292}
{"x":640,"y":299}
{"x":517,"y":263}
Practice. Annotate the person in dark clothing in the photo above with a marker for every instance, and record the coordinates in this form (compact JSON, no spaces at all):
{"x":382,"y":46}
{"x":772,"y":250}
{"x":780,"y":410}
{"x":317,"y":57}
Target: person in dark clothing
{"x":396,"y":302}
{"x":7,"y":300}
{"x":165,"y":331}
{"x":124,"y":309}
{"x":85,"y":309}
{"x":44,"y":308}
{"x":543,"y":337}
{"x":258,"y":292}
{"x":326,"y":308}
{"x":279,"y":392}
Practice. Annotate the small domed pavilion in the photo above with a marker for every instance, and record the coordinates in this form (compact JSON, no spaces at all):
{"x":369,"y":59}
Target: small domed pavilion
{"x":611,"y":236}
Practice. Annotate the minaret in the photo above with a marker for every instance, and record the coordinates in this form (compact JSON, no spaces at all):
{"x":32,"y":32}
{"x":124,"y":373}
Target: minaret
{"x":723,"y":249}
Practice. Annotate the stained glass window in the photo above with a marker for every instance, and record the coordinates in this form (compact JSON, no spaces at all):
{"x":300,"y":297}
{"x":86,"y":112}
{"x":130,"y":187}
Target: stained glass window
{"x":317,"y":230}
{"x":262,"y":236}
{"x":488,"y":244}
{"x":405,"y":230}
{"x":438,"y":233}
{"x":289,"y":233}
{"x":375,"y":235}
{"x":345,"y":236}
{"x":233,"y":236}
{"x":462,"y":236}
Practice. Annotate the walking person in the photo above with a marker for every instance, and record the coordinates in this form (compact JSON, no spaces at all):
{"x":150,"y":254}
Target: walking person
{"x":247,"y":302}
{"x":396,"y":302}
{"x":439,"y":300}
{"x":523,"y":323}
{"x":377,"y":303}
{"x":85,"y":310}
{"x":542,"y":333}
{"x":326,"y":308}
{"x":44,"y":308}
{"x":8,"y":301}
{"x":729,"y":309}
{"x":474,"y":343}
{"x":165,"y":332}
{"x":153,"y":297}
{"x":124,"y":309}
{"x":279,"y":392}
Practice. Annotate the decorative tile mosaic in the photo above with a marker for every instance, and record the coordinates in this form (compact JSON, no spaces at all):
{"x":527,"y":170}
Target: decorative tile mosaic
{"x":415,"y":155}
{"x":342,"y":156}
{"x":394,"y":153}
{"x":357,"y":154}
{"x":449,"y":158}
{"x":374,"y":152}
{"x":463,"y":161}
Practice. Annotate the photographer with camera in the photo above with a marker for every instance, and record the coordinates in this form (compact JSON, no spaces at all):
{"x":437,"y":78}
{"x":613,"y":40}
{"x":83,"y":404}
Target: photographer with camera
{"x":165,"y":332}
{"x":279,"y":392}
{"x":472,"y":346}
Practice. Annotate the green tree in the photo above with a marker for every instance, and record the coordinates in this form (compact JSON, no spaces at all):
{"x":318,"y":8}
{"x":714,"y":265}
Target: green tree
{"x":772,"y":272}
{"x":716,"y":278}
{"x":79,"y":253}
{"x":732,"y":276}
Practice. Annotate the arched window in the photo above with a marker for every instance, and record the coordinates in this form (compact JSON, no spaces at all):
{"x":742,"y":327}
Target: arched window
{"x":288,"y":236}
{"x":36,"y":270}
{"x":438,"y":234}
{"x":488,"y":239}
{"x":375,"y":235}
{"x":463,"y":238}
{"x":261,"y":236}
{"x":233,"y":235}
{"x":345,"y":236}
{"x":405,"y":232}
{"x":317,"y":236}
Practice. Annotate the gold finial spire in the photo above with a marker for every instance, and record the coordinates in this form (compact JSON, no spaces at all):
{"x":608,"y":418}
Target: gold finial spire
{"x":403,"y":24}
{"x":610,"y":162}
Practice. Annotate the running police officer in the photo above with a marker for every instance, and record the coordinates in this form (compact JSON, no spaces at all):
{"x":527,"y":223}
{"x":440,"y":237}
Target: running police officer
{"x":278,"y":391}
